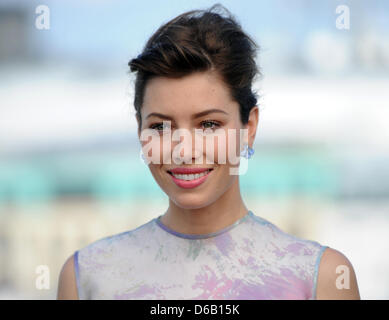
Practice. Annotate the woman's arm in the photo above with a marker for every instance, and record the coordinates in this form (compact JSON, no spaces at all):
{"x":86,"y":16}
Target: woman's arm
{"x":67,"y":286}
{"x":336,"y":278}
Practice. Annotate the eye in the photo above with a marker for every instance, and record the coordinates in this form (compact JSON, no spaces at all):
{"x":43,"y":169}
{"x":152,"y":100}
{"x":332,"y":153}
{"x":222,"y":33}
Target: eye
{"x":158,"y":126}
{"x":210,"y":124}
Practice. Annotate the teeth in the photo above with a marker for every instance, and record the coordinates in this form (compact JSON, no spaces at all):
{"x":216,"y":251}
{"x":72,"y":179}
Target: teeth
{"x":190,"y":176}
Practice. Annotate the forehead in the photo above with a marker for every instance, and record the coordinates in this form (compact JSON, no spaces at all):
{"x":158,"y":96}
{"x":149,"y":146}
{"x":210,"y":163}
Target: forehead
{"x":192,"y":93}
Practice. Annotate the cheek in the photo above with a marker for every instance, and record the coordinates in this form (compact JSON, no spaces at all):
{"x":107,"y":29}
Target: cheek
{"x":227,"y":148}
{"x":154,"y":150}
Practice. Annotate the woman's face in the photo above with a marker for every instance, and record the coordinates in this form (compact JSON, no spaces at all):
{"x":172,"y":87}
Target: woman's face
{"x":183,"y":104}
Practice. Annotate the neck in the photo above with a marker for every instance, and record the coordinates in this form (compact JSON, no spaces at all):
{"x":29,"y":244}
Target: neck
{"x":218,"y":215}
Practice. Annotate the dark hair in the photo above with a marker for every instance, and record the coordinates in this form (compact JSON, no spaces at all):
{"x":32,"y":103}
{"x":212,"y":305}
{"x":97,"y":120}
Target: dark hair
{"x":200,"y":40}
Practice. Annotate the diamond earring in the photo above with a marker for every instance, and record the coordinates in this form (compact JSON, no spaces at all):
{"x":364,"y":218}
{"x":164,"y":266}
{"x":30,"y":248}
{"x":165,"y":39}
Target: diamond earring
{"x":247,"y":151}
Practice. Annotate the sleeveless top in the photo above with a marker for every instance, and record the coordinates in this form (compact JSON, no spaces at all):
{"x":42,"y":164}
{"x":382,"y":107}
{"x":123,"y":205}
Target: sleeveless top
{"x":250,"y":259}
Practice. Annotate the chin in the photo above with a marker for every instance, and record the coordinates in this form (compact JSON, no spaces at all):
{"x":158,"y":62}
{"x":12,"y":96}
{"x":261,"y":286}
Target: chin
{"x":191,"y":201}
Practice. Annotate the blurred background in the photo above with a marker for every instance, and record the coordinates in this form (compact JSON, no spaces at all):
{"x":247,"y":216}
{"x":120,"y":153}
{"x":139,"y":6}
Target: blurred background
{"x":70,"y":171}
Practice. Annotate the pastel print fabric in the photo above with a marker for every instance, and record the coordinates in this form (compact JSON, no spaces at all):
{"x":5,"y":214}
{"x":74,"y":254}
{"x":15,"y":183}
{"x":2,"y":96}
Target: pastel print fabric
{"x":251,"y":259}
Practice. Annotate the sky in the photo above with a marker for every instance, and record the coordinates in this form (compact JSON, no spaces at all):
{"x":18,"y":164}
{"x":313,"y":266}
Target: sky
{"x":111,"y":31}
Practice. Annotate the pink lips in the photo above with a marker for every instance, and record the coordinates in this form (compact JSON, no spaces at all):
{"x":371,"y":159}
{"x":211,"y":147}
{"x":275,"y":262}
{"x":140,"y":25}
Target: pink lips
{"x":192,"y":183}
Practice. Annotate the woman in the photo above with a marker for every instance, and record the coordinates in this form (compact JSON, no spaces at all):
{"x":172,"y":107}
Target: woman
{"x":196,"y":72}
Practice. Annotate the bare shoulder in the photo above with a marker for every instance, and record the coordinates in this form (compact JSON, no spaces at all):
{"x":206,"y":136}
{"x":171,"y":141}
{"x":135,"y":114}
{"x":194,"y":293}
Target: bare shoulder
{"x":336,"y":277}
{"x":67,"y":286}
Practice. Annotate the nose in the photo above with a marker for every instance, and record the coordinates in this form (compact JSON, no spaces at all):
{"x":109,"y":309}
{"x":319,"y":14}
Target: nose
{"x":188,"y":149}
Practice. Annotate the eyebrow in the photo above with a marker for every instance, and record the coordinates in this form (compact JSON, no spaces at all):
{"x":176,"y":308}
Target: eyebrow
{"x":195,"y":116}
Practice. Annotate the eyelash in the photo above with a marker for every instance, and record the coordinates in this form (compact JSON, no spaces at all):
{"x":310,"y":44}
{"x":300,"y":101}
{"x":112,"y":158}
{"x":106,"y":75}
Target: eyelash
{"x":214,"y":123}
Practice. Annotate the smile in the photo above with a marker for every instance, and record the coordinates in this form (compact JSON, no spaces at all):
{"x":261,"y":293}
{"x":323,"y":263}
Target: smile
{"x":189,"y":177}
{"x":189,"y":180}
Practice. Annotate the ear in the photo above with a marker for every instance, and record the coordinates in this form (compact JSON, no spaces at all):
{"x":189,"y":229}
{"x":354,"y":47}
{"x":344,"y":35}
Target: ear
{"x":252,"y":125}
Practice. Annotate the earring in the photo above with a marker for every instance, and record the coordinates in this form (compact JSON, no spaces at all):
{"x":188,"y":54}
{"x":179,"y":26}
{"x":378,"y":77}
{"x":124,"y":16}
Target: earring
{"x":250,"y":152}
{"x":247,"y":151}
